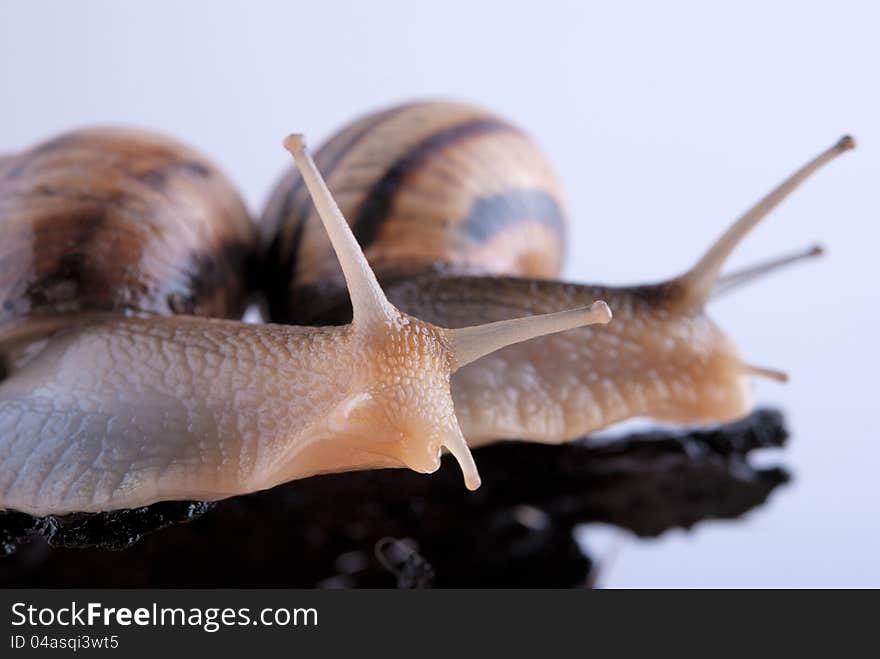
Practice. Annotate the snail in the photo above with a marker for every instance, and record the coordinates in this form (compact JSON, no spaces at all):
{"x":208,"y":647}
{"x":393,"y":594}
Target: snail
{"x":124,"y":385}
{"x":462,"y":220}
{"x":118,"y":246}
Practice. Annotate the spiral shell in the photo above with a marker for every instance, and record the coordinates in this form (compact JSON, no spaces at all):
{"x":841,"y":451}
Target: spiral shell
{"x":111,"y":219}
{"x":436,"y":185}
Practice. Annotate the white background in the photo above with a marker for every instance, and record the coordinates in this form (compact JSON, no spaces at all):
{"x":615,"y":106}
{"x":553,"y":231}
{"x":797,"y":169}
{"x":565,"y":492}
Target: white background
{"x":665,"y":120}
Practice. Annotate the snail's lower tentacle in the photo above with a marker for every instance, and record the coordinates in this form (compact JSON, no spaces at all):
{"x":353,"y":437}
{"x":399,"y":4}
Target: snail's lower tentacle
{"x":733,"y":280}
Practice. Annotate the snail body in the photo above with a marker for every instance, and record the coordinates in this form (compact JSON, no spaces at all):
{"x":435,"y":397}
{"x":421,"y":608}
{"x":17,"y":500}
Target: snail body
{"x":110,"y":401}
{"x":492,"y":222}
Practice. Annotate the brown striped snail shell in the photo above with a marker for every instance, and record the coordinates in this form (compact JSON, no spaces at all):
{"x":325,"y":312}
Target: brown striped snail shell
{"x":461,"y":218}
{"x":441,"y":186}
{"x":116,"y":220}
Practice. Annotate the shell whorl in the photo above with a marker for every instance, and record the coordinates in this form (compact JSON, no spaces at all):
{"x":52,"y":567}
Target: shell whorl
{"x":430,"y":185}
{"x":118,"y":220}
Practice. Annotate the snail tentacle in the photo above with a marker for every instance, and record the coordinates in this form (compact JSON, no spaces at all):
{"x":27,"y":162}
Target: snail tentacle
{"x":733,"y":280}
{"x":701,"y":279}
{"x":471,"y":343}
{"x":368,"y":301}
{"x":764,"y":372}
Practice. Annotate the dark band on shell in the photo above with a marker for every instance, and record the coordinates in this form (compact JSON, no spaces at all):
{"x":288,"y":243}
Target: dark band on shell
{"x":424,"y":185}
{"x":110,"y":219}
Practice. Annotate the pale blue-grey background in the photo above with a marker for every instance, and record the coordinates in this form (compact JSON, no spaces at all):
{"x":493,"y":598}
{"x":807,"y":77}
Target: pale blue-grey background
{"x":664,"y":120}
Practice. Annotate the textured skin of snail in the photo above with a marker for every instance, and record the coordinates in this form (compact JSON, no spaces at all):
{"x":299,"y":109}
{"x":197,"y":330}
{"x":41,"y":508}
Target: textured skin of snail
{"x":462,"y":219}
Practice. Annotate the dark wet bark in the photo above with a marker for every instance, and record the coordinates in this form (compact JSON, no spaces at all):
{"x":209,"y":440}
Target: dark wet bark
{"x":398,"y":528}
